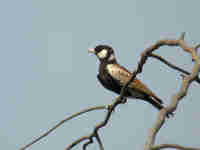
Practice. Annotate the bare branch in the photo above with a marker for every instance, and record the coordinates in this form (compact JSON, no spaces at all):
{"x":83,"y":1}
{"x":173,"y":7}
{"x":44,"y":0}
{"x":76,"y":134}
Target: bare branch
{"x":110,"y":109}
{"x":175,"y":146}
{"x":87,"y":143}
{"x":61,"y":122}
{"x":197,"y":46}
{"x":172,"y":65}
{"x":121,"y":99}
{"x":177,"y":97}
{"x":182,"y":37}
{"x":79,"y":141}
{"x":99,"y":141}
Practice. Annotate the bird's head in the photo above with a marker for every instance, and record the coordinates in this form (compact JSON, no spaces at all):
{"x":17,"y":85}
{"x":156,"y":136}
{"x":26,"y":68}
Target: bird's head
{"x":104,"y":53}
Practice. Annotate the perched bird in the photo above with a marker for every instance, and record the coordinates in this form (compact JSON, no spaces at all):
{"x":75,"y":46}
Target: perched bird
{"x":113,"y":77}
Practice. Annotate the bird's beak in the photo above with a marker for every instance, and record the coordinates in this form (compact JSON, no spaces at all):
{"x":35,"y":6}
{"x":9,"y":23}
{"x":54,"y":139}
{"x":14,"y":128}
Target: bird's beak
{"x":91,"y":50}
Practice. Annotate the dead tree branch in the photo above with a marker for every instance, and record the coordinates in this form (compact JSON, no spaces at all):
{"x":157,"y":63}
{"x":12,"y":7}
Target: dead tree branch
{"x":183,"y":91}
{"x":175,"y":146}
{"x":172,"y":65}
{"x":121,"y":99}
{"x":61,"y":122}
{"x":94,"y":134}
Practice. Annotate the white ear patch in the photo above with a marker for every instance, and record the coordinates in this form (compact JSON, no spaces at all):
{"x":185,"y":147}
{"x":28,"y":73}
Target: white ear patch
{"x":102,"y":54}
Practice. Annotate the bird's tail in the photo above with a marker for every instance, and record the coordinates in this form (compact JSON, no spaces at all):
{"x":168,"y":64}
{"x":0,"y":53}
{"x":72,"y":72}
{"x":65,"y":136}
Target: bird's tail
{"x":155,"y":102}
{"x":158,"y":103}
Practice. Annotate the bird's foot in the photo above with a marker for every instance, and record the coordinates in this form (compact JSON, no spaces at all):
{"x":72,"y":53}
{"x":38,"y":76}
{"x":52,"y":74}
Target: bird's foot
{"x":124,"y":100}
{"x":109,"y":107}
{"x":170,"y":114}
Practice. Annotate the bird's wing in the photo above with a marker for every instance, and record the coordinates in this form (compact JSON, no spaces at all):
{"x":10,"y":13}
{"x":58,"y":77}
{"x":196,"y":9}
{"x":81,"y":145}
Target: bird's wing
{"x":122,"y":75}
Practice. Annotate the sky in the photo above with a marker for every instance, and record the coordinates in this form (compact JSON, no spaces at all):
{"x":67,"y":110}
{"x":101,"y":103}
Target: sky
{"x":47,"y":73}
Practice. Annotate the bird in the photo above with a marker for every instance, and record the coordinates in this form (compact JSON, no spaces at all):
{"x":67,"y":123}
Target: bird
{"x":113,"y":77}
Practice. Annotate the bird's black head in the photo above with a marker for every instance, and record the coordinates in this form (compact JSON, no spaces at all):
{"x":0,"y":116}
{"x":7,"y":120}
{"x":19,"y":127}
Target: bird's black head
{"x":104,"y":53}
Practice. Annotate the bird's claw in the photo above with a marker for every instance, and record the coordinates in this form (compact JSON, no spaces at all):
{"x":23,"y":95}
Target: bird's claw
{"x":109,"y":107}
{"x":124,"y":100}
{"x":170,"y":114}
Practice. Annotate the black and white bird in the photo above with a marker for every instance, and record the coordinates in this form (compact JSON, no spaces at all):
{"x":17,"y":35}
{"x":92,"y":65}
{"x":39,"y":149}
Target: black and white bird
{"x":113,"y":77}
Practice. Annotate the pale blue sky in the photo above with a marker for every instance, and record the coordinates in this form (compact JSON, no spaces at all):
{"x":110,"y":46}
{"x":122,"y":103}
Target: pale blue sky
{"x":47,"y":74}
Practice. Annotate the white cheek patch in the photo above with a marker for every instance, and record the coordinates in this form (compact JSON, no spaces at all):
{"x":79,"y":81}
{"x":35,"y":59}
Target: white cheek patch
{"x":102,"y":54}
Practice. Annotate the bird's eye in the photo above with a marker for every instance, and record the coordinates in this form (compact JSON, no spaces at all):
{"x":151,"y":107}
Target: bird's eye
{"x":102,"y":54}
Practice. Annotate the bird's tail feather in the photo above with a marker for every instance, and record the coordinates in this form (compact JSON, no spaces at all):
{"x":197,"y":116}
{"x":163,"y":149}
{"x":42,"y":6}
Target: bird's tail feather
{"x":158,"y":104}
{"x":151,"y":98}
{"x":155,"y":102}
{"x":157,"y":99}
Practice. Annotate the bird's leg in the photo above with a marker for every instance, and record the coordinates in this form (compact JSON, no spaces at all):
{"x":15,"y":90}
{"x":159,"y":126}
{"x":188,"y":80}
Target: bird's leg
{"x":124,"y":100}
{"x":171,"y":114}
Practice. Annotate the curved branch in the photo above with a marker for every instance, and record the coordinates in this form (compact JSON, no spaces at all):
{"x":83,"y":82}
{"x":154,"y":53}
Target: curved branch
{"x":175,"y":146}
{"x":165,"y":111}
{"x":110,"y":109}
{"x":197,"y":47}
{"x":61,"y":122}
{"x":184,"y":87}
{"x":119,"y":100}
{"x":99,"y":141}
{"x":87,"y":143}
{"x":79,"y":141}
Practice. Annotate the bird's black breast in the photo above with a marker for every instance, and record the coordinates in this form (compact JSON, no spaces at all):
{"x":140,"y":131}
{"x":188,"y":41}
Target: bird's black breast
{"x":108,"y":81}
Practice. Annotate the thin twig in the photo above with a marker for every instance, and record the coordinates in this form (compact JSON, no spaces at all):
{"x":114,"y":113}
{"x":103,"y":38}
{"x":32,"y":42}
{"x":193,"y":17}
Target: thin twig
{"x":99,"y":141}
{"x":63,"y":121}
{"x":172,"y":65}
{"x":97,"y":127}
{"x":197,"y":47}
{"x":87,"y":143}
{"x":175,"y":146}
{"x":79,"y":141}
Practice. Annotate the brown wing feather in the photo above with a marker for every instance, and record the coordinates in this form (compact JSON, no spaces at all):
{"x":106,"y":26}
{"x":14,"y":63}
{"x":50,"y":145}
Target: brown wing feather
{"x":135,"y":84}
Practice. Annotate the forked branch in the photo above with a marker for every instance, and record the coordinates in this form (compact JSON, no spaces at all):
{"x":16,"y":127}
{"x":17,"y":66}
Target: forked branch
{"x":62,"y":122}
{"x":172,"y":65}
{"x":183,"y":90}
{"x":121,"y":100}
